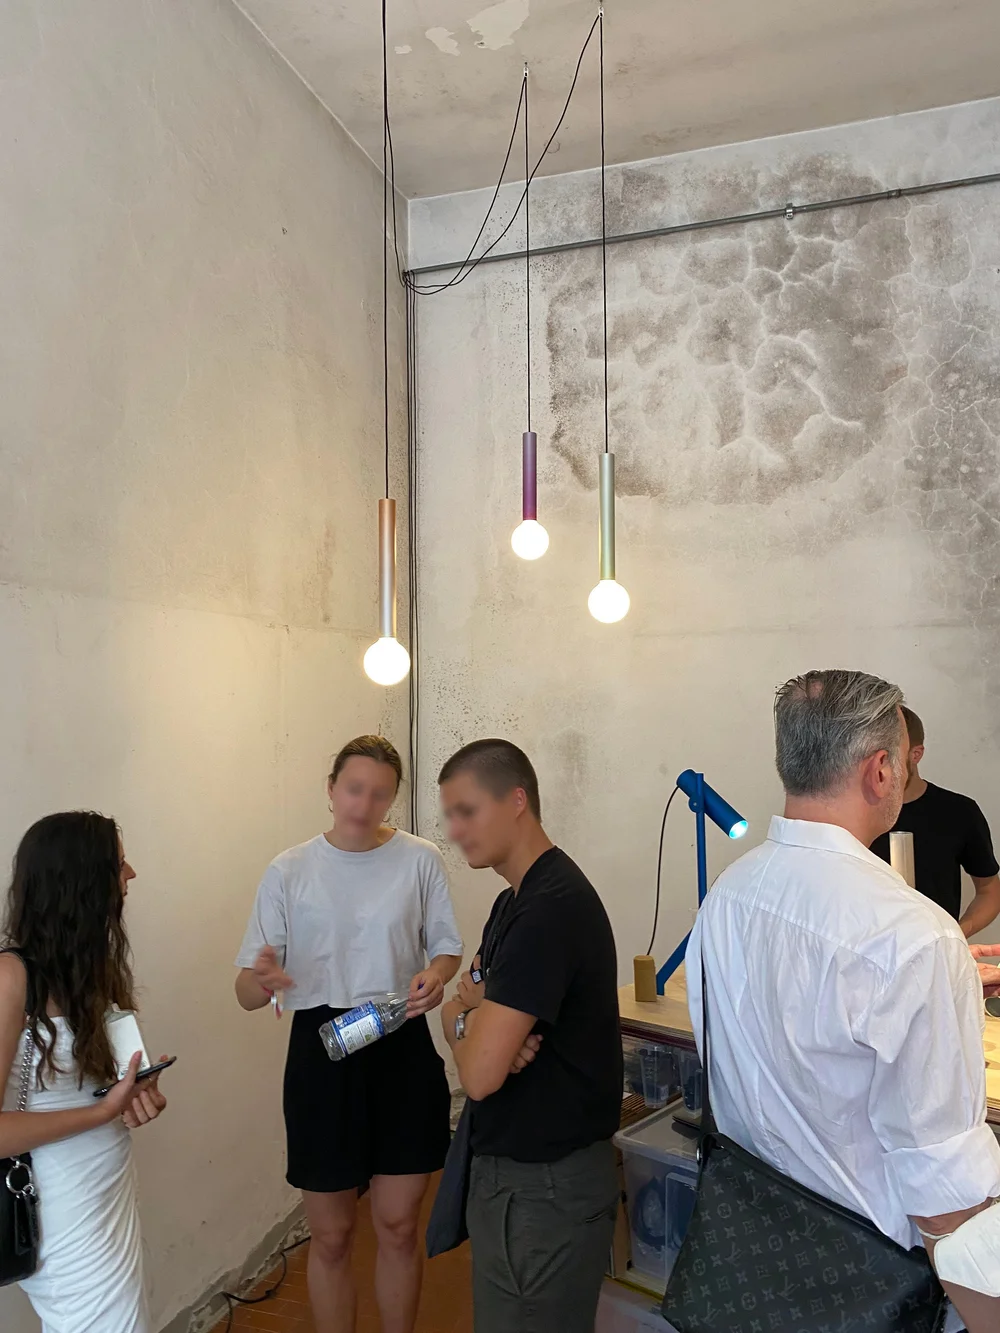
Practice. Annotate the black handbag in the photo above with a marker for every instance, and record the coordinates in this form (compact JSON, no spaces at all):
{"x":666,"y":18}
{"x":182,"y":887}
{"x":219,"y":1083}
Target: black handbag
{"x":18,"y":1199}
{"x":764,"y":1254}
{"x":446,"y":1228}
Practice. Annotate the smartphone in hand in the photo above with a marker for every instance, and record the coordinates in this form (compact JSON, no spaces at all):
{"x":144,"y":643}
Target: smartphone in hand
{"x":142,"y":1075}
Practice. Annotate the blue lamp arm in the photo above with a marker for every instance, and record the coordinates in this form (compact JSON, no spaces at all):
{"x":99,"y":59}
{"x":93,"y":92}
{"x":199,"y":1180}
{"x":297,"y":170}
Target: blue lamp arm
{"x":703,"y":800}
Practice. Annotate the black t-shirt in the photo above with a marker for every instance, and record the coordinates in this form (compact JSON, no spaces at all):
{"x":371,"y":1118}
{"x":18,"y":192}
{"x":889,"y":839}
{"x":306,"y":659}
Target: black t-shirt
{"x":548,"y":950}
{"x":950,"y":834}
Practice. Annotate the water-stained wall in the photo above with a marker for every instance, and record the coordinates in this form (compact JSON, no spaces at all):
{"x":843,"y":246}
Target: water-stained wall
{"x":191,"y":455}
{"x":806,"y":418}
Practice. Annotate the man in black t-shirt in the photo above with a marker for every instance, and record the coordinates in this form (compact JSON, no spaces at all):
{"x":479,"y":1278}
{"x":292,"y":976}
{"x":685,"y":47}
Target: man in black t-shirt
{"x":538,"y":1049}
{"x":950,"y":834}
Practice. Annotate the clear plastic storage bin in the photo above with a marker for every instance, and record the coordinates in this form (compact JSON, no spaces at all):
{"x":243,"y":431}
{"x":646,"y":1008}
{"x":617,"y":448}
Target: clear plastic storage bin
{"x":661,"y":1181}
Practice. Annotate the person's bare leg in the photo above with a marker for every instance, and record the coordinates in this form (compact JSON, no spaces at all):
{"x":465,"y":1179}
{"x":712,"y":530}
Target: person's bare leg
{"x":399,"y":1266}
{"x":332,"y":1293}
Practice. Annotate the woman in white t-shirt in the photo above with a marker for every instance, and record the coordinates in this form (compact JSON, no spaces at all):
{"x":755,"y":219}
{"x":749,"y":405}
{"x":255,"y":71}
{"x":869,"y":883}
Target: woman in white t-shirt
{"x":357,"y":912}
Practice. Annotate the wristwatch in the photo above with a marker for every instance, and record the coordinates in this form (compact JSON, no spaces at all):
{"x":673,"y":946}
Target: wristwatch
{"x":460,"y":1025}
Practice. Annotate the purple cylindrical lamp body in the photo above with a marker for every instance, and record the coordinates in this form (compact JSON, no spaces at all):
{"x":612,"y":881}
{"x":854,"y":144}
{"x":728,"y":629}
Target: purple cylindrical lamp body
{"x":529,"y":475}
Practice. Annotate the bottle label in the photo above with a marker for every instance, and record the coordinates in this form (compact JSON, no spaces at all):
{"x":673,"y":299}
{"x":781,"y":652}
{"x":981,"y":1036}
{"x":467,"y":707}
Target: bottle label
{"x":359,"y":1028}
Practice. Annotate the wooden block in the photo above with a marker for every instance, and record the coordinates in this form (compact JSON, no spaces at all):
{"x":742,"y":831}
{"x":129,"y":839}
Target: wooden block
{"x":644,"y":974}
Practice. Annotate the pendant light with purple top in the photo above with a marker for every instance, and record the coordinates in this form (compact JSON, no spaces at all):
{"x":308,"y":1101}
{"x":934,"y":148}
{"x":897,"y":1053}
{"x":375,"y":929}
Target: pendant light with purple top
{"x":529,"y":539}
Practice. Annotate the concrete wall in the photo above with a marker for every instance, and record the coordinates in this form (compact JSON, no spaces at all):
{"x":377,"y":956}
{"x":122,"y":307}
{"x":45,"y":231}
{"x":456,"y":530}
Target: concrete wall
{"x":806,"y":417}
{"x":190,"y":444}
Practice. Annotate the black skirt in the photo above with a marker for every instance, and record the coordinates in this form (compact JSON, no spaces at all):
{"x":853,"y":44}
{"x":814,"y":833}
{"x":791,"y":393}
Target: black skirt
{"x":383,"y":1111}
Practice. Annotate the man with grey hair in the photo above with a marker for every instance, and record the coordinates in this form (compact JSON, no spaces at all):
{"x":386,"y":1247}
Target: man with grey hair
{"x":846,"y":1011}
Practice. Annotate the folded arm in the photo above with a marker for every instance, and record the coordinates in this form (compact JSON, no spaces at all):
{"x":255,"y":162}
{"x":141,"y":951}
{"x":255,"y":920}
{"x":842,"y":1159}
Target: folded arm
{"x":984,"y":908}
{"x":940,"y":1155}
{"x":980,"y":1312}
{"x":495,"y":1039}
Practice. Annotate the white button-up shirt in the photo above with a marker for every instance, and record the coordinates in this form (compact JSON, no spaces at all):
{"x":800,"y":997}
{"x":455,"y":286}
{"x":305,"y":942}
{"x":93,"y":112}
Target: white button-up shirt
{"x":845,"y":1029}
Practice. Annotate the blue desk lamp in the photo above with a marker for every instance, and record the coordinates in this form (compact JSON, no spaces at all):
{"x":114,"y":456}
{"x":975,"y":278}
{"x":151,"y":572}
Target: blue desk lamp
{"x":703,"y":800}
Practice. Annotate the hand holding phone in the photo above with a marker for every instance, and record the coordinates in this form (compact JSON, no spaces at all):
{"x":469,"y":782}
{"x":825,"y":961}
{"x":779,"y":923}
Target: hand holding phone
{"x":153,"y":1071}
{"x":117,"y":1097}
{"x":148,"y":1101}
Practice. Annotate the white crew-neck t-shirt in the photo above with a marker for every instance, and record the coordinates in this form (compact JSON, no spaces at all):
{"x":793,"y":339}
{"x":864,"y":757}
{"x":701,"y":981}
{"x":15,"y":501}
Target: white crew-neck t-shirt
{"x":352,"y":925}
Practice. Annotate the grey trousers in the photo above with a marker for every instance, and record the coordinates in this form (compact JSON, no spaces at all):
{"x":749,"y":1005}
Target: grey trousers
{"x":541,"y":1235}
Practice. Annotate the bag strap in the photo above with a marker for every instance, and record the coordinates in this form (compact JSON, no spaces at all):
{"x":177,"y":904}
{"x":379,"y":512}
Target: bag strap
{"x":26,"y":1062}
{"x":707,"y":1123}
{"x":29,"y":1039}
{"x":493,"y":937}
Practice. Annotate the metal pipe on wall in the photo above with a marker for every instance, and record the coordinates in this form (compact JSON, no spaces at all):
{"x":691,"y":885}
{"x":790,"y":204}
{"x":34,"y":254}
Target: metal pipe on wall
{"x":787,"y":211}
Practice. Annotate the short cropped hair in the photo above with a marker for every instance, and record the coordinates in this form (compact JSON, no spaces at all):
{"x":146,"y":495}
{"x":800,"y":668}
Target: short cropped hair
{"x":828,"y":722}
{"x":499,"y":766}
{"x":914,"y":727}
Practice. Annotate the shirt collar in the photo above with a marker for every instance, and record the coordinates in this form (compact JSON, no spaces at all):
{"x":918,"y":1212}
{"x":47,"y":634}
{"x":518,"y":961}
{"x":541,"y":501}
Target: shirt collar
{"x":820,"y":837}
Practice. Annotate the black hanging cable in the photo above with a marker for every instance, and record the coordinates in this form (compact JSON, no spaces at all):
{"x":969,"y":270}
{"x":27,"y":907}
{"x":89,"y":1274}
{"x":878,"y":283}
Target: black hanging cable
{"x":659,"y":870}
{"x":604,"y":238}
{"x":541,"y":157}
{"x":385,"y":227}
{"x":412,"y":491}
{"x":470,"y":265}
{"x":412,"y":290}
{"x":402,"y":272}
{"x":527,"y":243}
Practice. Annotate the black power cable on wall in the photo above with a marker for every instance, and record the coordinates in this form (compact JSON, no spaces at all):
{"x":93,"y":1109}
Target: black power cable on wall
{"x":412,"y":496}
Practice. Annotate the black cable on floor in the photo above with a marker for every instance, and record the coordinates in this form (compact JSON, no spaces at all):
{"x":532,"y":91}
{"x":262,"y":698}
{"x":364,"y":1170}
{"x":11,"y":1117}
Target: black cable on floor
{"x":233,"y":1300}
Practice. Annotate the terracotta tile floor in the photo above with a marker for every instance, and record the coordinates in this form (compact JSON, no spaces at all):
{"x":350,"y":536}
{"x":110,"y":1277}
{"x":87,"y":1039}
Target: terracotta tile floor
{"x":445,"y":1307}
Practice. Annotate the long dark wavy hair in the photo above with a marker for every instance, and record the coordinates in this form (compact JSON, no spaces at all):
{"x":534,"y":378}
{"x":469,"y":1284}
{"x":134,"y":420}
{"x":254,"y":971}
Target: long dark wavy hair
{"x":64,"y":914}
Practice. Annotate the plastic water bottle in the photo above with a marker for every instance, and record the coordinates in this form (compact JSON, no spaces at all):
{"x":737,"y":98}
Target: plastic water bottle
{"x":361,"y":1026}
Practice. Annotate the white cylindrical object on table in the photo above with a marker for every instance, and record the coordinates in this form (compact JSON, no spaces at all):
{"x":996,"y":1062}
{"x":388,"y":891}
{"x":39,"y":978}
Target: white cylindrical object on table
{"x":901,"y":856}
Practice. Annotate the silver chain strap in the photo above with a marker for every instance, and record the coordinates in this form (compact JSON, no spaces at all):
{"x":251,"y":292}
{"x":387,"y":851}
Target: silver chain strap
{"x":29,"y":1051}
{"x":20,"y":1171}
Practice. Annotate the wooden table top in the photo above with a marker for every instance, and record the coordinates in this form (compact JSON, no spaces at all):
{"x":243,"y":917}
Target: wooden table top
{"x":669,"y":1015}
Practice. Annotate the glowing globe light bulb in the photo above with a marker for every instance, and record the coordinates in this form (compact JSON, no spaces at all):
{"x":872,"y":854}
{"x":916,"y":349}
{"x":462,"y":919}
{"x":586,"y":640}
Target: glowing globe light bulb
{"x":529,"y":540}
{"x":609,"y":602}
{"x":387,"y":661}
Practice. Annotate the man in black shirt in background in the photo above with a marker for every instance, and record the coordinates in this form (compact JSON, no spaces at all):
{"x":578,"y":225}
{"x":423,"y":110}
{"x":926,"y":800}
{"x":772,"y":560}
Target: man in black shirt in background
{"x":538,"y":1050}
{"x":950,"y":834}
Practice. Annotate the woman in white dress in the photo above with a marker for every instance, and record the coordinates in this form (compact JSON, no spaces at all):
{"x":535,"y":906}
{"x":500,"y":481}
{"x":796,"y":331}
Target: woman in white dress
{"x":65,"y":965}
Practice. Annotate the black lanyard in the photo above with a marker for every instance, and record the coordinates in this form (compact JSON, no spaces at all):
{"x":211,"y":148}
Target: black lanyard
{"x":493,"y":938}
